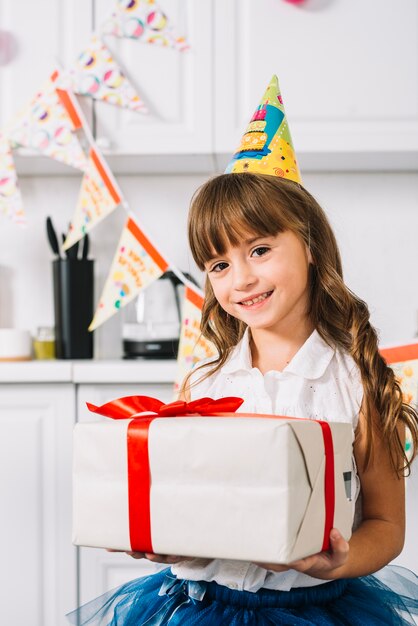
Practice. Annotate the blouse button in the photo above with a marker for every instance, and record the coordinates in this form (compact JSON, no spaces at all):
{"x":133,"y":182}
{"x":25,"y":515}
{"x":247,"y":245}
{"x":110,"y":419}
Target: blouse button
{"x":232,"y":585}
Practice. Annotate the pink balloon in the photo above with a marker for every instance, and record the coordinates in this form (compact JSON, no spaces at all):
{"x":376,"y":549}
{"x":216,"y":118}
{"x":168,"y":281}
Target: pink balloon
{"x":8,"y":47}
{"x":295,"y":1}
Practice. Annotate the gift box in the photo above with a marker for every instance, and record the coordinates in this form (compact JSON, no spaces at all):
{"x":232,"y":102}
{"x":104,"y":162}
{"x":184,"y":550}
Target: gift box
{"x":217,"y":484}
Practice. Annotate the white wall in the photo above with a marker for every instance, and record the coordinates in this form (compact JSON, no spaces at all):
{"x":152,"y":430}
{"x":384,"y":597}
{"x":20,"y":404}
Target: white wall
{"x":374,"y":215}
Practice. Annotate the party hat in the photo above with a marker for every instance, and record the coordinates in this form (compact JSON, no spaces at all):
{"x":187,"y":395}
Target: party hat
{"x":266,"y":146}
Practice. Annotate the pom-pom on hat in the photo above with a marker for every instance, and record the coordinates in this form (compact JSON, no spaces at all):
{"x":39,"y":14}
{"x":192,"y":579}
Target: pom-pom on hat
{"x":266,"y":146}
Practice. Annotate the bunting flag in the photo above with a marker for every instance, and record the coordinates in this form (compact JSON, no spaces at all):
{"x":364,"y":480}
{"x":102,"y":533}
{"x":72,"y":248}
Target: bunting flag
{"x":193,"y":347}
{"x":136,"y":264}
{"x":10,"y":198}
{"x":96,"y":74}
{"x":98,"y":197}
{"x":145,"y":21}
{"x":403,"y":360}
{"x":47,"y":125}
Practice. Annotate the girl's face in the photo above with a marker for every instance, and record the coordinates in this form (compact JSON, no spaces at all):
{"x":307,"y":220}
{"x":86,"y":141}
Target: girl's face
{"x":263,"y":281}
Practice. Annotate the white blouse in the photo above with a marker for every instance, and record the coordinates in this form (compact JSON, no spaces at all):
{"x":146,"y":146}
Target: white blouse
{"x":318,"y":383}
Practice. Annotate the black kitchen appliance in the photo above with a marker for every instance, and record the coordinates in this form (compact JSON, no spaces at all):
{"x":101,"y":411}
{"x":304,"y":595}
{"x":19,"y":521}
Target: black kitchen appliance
{"x":151,"y":323}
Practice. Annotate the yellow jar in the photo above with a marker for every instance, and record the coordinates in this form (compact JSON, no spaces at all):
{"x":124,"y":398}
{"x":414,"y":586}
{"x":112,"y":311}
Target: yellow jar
{"x":44,"y":343}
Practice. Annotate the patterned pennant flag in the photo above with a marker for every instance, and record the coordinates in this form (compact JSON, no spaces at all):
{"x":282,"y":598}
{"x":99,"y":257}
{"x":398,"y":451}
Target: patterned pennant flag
{"x":404,"y":362}
{"x":145,"y":21}
{"x":96,"y":74}
{"x":98,"y":197}
{"x":10,"y":198}
{"x":136,"y":264}
{"x":193,"y":347}
{"x":48,"y":124}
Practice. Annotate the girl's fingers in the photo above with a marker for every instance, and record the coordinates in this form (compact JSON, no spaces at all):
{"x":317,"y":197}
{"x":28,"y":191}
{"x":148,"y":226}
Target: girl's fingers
{"x":304,"y":564}
{"x":163,"y":558}
{"x":274,"y":567}
{"x":136,"y":555}
{"x":339,"y":547}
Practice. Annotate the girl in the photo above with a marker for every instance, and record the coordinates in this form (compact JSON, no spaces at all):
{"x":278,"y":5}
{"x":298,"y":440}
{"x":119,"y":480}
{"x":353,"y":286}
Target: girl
{"x":292,"y":340}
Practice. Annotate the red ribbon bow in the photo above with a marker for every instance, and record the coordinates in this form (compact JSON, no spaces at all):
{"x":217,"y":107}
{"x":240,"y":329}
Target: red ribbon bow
{"x":132,"y":406}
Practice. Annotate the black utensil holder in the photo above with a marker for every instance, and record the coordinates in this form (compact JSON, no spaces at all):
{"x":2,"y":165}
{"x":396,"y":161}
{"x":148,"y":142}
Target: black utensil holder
{"x":73,"y":281}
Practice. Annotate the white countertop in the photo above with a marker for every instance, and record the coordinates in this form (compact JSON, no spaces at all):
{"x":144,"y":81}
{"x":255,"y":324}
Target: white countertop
{"x":94,"y":371}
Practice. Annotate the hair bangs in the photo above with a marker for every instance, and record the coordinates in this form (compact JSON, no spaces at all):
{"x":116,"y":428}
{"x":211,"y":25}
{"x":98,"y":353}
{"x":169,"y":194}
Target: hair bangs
{"x":226,"y":211}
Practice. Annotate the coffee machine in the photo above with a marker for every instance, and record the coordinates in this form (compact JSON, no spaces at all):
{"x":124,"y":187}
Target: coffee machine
{"x":151,"y":323}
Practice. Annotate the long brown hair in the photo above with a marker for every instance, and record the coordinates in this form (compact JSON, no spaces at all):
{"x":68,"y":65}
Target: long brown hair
{"x":228,"y":207}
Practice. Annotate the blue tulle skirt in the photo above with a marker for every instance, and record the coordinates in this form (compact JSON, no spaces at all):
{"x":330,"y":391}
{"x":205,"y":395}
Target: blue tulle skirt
{"x":389,"y":597}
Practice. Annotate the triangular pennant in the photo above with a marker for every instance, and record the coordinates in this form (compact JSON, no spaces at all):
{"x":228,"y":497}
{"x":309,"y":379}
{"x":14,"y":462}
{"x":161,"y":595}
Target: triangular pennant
{"x":47,"y":125}
{"x":98,"y":197}
{"x":96,"y":74}
{"x":10,"y":198}
{"x":145,"y":21}
{"x":193,"y":347}
{"x":266,"y":146}
{"x":136,"y":264}
{"x":403,"y":359}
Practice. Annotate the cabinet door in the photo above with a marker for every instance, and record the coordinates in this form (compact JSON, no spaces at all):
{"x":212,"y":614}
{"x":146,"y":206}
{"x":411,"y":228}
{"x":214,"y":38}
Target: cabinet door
{"x":45,"y":33}
{"x":100,"y":570}
{"x":176,"y":86}
{"x":348,"y":73}
{"x":38,"y":559}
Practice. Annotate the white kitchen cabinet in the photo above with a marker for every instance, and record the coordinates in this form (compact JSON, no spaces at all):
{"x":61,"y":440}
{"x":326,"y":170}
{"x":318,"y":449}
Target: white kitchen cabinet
{"x":38,"y":562}
{"x":176,"y":87}
{"x":348,"y":73}
{"x":99,"y":570}
{"x":46,"y":34}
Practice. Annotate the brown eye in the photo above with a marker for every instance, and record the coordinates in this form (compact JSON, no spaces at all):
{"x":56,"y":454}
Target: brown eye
{"x":260,"y":251}
{"x":219,"y":267}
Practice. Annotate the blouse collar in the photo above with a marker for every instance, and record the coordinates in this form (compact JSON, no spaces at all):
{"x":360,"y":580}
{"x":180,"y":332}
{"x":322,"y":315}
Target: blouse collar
{"x":310,"y":361}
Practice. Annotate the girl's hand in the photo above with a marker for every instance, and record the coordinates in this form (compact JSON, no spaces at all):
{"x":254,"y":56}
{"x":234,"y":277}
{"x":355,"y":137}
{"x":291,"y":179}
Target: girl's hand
{"x":274,"y":567}
{"x":323,"y":565}
{"x":156,"y":558}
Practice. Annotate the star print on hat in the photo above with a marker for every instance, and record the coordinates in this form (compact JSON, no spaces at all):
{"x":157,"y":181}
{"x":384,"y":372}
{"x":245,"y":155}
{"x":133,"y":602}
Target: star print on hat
{"x":266,"y":146}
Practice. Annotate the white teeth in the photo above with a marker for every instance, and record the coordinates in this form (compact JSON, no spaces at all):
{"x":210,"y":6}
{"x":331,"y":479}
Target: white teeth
{"x":255,"y":300}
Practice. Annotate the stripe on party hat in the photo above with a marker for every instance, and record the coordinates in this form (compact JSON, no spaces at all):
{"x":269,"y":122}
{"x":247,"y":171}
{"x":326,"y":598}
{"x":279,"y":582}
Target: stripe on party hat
{"x":266,"y":146}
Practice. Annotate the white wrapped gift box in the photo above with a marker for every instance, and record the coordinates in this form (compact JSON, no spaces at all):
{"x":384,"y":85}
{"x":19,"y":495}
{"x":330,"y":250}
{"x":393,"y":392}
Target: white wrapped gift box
{"x":247,"y":488}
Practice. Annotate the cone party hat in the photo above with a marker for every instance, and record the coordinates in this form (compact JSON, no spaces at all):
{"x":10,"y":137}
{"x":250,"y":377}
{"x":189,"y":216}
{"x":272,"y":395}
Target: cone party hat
{"x":266,"y":146}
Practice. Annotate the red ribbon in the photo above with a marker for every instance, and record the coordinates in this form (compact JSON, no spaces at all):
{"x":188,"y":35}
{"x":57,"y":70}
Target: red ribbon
{"x":329,"y":482}
{"x":139,"y":477}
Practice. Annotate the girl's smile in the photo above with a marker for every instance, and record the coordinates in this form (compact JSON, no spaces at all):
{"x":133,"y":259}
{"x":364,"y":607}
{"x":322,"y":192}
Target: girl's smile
{"x":258,"y":299}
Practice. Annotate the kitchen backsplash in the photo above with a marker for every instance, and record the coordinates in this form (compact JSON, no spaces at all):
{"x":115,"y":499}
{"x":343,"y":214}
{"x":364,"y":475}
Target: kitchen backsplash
{"x":374,"y":215}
